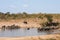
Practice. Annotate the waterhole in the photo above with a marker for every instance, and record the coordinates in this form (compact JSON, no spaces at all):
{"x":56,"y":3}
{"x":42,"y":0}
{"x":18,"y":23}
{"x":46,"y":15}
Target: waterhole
{"x":25,"y":32}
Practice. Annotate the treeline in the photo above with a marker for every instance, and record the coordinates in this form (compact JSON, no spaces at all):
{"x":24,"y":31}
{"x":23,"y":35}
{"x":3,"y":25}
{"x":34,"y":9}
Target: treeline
{"x":9,"y":16}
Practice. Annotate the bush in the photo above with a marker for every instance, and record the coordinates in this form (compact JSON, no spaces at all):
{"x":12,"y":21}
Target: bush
{"x":49,"y":18}
{"x":51,"y":39}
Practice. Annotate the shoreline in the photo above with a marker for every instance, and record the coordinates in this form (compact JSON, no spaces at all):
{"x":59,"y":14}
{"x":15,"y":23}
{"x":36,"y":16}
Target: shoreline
{"x":24,"y":23}
{"x":42,"y":37}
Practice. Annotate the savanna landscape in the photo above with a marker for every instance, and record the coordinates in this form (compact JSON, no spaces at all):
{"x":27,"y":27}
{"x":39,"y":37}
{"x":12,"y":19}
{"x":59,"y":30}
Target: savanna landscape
{"x":41,"y":21}
{"x":29,"y":19}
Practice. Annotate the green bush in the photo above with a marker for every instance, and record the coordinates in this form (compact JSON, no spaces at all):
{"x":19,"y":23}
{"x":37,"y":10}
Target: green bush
{"x":49,"y":18}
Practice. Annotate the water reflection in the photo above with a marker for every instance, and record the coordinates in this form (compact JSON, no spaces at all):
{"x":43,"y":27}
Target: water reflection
{"x":23,"y":32}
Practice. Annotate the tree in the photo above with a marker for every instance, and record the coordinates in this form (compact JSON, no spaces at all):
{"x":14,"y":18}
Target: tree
{"x":49,"y":18}
{"x":25,"y":14}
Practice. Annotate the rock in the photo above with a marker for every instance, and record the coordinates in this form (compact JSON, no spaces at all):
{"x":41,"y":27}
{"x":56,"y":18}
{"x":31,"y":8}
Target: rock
{"x":28,"y":28}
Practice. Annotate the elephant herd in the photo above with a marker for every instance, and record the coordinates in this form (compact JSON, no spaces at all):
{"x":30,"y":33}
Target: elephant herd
{"x":47,"y":28}
{"x":10,"y":27}
{"x":39,"y":29}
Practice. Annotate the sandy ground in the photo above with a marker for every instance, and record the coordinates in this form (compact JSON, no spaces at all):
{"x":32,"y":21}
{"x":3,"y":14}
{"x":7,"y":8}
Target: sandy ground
{"x":43,"y":37}
{"x":30,"y":23}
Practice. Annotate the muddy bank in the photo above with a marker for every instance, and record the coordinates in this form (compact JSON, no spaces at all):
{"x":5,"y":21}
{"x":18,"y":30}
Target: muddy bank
{"x":27,"y":23}
{"x":43,"y":37}
{"x":23,"y":22}
{"x":30,"y":22}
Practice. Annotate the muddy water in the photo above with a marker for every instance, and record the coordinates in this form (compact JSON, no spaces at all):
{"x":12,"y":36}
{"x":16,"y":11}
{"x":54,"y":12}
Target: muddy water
{"x":24,"y":32}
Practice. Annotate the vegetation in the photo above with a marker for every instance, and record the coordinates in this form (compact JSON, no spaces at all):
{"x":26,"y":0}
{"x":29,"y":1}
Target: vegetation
{"x":49,"y":18}
{"x":51,"y":39}
{"x":9,"y":16}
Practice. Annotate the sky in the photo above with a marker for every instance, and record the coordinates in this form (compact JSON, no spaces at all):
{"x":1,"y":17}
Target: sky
{"x":31,"y":6}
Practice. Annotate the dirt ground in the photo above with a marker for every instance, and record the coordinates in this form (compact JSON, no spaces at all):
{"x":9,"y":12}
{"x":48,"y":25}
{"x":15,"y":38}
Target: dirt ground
{"x":43,"y":37}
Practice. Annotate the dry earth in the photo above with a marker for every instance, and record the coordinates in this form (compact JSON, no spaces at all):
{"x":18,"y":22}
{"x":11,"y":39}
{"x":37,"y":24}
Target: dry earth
{"x":31,"y":22}
{"x":43,"y":37}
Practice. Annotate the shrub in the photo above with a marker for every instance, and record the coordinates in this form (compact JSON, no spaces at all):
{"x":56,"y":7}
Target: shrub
{"x":51,"y":39}
{"x":49,"y":18}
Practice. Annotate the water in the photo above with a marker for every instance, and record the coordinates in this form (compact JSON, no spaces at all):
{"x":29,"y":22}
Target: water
{"x":24,"y":32}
